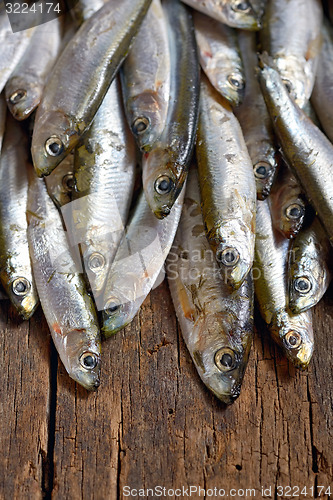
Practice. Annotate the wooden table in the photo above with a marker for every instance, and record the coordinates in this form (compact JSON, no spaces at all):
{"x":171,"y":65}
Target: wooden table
{"x":152,"y":422}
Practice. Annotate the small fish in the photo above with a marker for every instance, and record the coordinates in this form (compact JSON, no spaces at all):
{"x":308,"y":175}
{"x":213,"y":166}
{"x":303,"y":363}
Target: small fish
{"x":309,"y":268}
{"x":13,"y":46}
{"x":60,"y":182}
{"x":80,"y":80}
{"x":255,"y":120}
{"x":322,"y":95}
{"x":138,"y":263}
{"x":164,"y":168}
{"x":287,"y":203}
{"x":15,"y":265}
{"x":220,"y":57}
{"x":291,"y":34}
{"x":227,"y":185}
{"x":26,"y":83}
{"x":105,"y":164}
{"x":234,"y":13}
{"x":293,"y":332}
{"x":306,"y":149}
{"x":146,"y":79}
{"x":68,"y":309}
{"x":217,"y":325}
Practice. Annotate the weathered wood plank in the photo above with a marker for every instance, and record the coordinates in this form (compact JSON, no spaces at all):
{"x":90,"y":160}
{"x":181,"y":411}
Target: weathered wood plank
{"x":152,"y":421}
{"x":24,"y":405}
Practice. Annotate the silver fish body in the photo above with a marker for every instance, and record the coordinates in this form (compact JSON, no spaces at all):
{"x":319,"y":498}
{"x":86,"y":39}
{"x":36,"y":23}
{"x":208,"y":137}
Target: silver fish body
{"x":105,"y":165}
{"x":68,"y":309}
{"x":227,"y":186}
{"x":26,"y":83}
{"x":292,"y":36}
{"x":255,"y":120}
{"x":294,"y":333}
{"x":307,"y":150}
{"x":231,"y":12}
{"x":138,"y":263}
{"x":309,"y":268}
{"x":219,"y":57}
{"x":84,"y":9}
{"x":15,"y":265}
{"x":216,"y":324}
{"x":80,"y":80}
{"x":146,"y":79}
{"x":164,"y":168}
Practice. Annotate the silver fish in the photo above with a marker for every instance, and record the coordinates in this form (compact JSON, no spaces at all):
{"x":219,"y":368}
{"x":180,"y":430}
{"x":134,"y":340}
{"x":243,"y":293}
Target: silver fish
{"x":309,"y":268}
{"x":294,"y":333}
{"x":68,"y":309}
{"x":105,"y":164}
{"x":146,"y":79}
{"x":220,"y":57}
{"x":138,"y":263}
{"x":15,"y":265}
{"x":217,"y":325}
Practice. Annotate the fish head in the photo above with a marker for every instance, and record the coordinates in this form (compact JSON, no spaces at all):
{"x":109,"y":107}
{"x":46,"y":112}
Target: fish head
{"x":22,"y":97}
{"x":149,"y":117}
{"x":60,"y":183}
{"x":23,"y":294}
{"x":241,"y":14}
{"x":298,"y":82}
{"x":296,"y":336}
{"x":304,"y":292}
{"x":234,"y":254}
{"x":232,"y":87}
{"x":264,"y":169}
{"x":53,"y":138}
{"x":219,"y":356}
{"x":292,"y":217}
{"x":162,"y":181}
{"x":80,"y":356}
{"x":116,"y":315}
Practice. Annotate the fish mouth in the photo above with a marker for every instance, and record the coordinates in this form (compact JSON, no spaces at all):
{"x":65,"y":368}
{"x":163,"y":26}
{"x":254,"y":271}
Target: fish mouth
{"x":298,"y":350}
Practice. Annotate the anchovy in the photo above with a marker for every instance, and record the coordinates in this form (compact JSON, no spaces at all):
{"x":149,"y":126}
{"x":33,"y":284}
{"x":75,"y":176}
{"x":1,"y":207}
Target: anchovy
{"x":255,"y":121}
{"x":217,"y":325}
{"x":220,"y":57}
{"x":81,"y":78}
{"x":25,"y":86}
{"x":293,"y":333}
{"x":105,"y":166}
{"x":164,"y":168}
{"x":309,"y":268}
{"x":146,"y":79}
{"x":307,"y":150}
{"x":227,"y":186}
{"x":138,"y":263}
{"x":15,"y":265}
{"x":235,"y":13}
{"x":287,"y":203}
{"x":68,"y":309}
{"x":292,"y":36}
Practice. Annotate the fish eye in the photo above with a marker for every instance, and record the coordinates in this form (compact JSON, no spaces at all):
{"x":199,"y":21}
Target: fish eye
{"x":293,"y":340}
{"x":242,"y":7}
{"x":302,"y":284}
{"x":225,"y":359}
{"x":140,"y":125}
{"x":163,"y":184}
{"x":96,"y":262}
{"x":54,"y":146}
{"x":228,"y":257}
{"x":17,"y":96}
{"x":261,"y":170}
{"x":236,"y":81}
{"x":294,"y":211}
{"x":288,"y":85}
{"x":88,"y":360}
{"x":21,"y":286}
{"x":68,"y":182}
{"x":111,"y":307}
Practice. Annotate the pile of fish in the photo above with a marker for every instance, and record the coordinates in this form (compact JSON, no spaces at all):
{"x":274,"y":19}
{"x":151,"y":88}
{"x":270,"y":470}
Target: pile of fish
{"x":120,"y":162}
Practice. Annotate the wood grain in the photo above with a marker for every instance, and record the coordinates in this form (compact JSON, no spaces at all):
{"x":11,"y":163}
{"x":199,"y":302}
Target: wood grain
{"x":152,"y":422}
